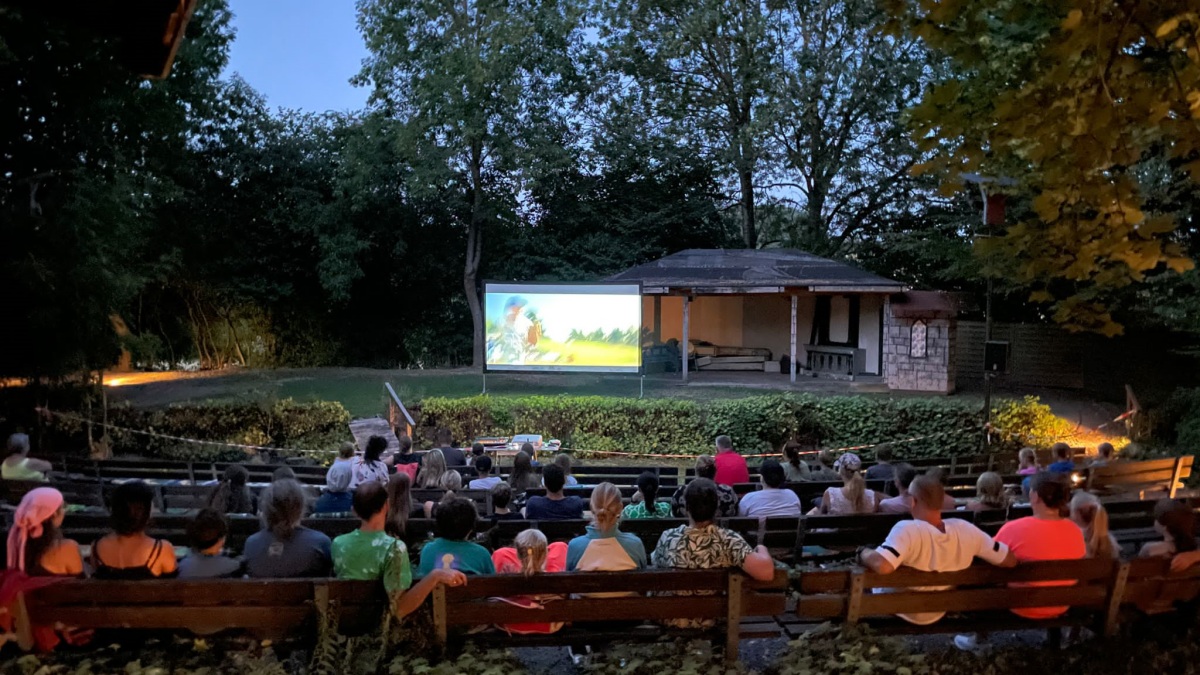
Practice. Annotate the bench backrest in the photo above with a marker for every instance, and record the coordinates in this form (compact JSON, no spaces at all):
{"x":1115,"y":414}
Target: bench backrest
{"x":1155,"y":475}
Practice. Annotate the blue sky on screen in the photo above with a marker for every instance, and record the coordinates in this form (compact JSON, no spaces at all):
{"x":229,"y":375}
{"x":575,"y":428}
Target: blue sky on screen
{"x":300,"y":54}
{"x":560,"y":312}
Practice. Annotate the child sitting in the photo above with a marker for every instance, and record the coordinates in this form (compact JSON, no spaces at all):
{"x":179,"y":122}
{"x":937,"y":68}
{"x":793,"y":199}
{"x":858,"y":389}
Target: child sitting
{"x":1027,"y":459}
{"x":1090,"y":515}
{"x":370,"y":553}
{"x":477,"y":451}
{"x":530,"y":555}
{"x":207,"y":559}
{"x":563,"y":460}
{"x":450,"y":481}
{"x":645,"y":502}
{"x":989,"y":493}
{"x":484,"y":480}
{"x":1176,"y":522}
{"x":451,"y":550}
{"x":501,"y":498}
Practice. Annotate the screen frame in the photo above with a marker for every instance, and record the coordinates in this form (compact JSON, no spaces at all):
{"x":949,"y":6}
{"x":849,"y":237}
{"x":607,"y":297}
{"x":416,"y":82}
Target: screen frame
{"x":549,"y":368}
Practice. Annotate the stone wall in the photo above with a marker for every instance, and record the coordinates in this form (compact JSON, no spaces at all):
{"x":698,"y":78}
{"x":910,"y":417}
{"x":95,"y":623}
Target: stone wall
{"x":936,"y":371}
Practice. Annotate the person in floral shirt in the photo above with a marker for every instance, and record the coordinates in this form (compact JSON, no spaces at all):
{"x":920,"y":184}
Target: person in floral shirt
{"x":702,"y":545}
{"x":648,"y":506}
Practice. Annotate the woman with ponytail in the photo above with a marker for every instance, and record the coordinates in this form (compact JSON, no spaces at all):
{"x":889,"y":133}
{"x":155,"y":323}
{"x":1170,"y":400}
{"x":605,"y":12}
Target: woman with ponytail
{"x":605,"y":548}
{"x":1090,"y":515}
{"x":530,"y":555}
{"x":648,"y":506}
{"x":1176,"y":522}
{"x":853,"y":497}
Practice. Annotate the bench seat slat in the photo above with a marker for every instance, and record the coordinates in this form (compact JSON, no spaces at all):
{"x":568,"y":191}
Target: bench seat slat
{"x":196,"y":618}
{"x":595,"y":609}
{"x":966,"y":600}
{"x":594,"y":582}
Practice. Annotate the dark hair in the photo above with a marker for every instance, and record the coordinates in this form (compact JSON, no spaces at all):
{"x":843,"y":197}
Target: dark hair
{"x":477,"y":449}
{"x":1178,"y":519}
{"x":206,"y":529}
{"x":706,"y":467}
{"x":647,"y":484}
{"x":282,"y":473}
{"x":36,"y":548}
{"x":455,"y":518}
{"x":701,"y":498}
{"x":282,"y":508}
{"x":522,"y":477}
{"x":405,"y":444}
{"x":1105,"y":450}
{"x":375,"y":447}
{"x":1061,"y":450}
{"x":399,"y":489}
{"x":129,"y":507}
{"x":883,"y":453}
{"x":232,"y":495}
{"x":905,"y":473}
{"x":501,"y":495}
{"x":369,"y":498}
{"x":772,"y":473}
{"x":444,"y":438}
{"x":791,"y":452}
{"x":1054,"y":489}
{"x":724,"y":442}
{"x":553,"y":477}
{"x":527,"y":448}
{"x":483,"y":465}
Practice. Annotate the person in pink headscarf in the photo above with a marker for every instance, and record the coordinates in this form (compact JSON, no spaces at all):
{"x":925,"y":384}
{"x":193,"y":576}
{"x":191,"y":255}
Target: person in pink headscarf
{"x":35,"y":542}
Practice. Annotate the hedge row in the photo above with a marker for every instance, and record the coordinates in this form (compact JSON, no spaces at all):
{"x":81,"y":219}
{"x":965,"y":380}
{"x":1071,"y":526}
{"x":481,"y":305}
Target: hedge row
{"x":757,"y":423}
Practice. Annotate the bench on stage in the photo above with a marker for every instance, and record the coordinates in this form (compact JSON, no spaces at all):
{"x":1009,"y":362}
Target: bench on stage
{"x":1162,"y":476}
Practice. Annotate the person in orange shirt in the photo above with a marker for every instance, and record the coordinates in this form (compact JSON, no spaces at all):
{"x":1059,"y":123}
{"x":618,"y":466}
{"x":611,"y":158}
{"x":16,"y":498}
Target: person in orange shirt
{"x":1046,"y":535}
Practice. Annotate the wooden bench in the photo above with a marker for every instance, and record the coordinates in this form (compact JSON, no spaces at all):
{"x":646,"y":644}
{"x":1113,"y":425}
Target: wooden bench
{"x":747,"y":606}
{"x":1150,"y":476}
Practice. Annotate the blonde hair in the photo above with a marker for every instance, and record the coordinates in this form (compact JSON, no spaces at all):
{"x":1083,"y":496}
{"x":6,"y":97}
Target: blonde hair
{"x":531,"y":549}
{"x":1027,"y":455}
{"x":450,"y":480}
{"x":1091,"y":516}
{"x":989,"y":490}
{"x":606,"y":506}
{"x":433,"y":465}
{"x":854,"y":486}
{"x":346,"y":451}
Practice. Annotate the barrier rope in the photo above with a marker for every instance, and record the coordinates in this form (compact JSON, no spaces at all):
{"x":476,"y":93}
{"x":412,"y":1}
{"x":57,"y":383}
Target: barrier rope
{"x":849,"y":448}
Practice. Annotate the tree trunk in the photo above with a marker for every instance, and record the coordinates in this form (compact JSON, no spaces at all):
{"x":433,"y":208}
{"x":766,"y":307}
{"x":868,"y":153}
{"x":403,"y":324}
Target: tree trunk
{"x":749,"y":228}
{"x":474,"y":251}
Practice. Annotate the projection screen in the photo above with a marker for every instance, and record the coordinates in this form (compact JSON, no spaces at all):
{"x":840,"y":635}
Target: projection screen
{"x":563,"y":327}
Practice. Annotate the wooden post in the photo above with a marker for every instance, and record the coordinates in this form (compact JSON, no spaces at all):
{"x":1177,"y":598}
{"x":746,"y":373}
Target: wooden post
{"x":657,"y":319}
{"x":733,"y":618}
{"x":23,"y":625}
{"x":439,"y":615}
{"x":1176,"y":476}
{"x":1115,"y":594}
{"x":792,"y":366}
{"x":683,"y":345}
{"x":854,"y":605}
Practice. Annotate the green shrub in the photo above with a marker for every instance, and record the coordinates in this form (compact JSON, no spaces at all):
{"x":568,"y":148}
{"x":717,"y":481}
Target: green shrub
{"x":1027,"y":422}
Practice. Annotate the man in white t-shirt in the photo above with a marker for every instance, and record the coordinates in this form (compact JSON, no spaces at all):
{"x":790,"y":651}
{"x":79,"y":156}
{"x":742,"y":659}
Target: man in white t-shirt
{"x":485,"y":481}
{"x":774,"y":499}
{"x":930,"y":544}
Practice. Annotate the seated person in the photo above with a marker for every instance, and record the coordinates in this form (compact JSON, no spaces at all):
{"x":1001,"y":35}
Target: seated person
{"x":501,"y":498}
{"x":904,"y":475}
{"x":429,"y":477}
{"x":1027,"y":462}
{"x":563,"y":460}
{"x":284,"y":549}
{"x":1176,"y":522}
{"x":605,"y":548}
{"x":233,"y":495}
{"x":35,"y":542}
{"x":727,"y":499}
{"x":336,"y":496}
{"x":1090,"y":515}
{"x":370,"y":467}
{"x":451,"y":482}
{"x":451,"y":550}
{"x":128,"y":554}
{"x":283,"y":472}
{"x":853,"y":496}
{"x":794,"y":468}
{"x":1062,"y":459}
{"x":731,"y":466}
{"x":702,"y":545}
{"x":1104,"y":455}
{"x":554,"y":506}
{"x":530,"y":555}
{"x":370,"y":553}
{"x":477,"y":451}
{"x":207,"y":559}
{"x":18,"y":465}
{"x":930,"y":544}
{"x":648,"y":505}
{"x":774,"y":499}
{"x":883,"y":468}
{"x":822,"y":471}
{"x":401,"y":507}
{"x":989,"y":493}
{"x":454,"y":456}
{"x":483,"y":469}
{"x":405,"y":460}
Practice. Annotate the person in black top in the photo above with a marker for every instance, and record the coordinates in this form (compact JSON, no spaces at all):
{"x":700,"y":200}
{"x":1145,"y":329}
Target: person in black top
{"x":883,"y":469}
{"x":405,"y":455}
{"x":454,"y":456}
{"x":127,"y":554}
{"x":501,"y":498}
{"x":554,"y":506}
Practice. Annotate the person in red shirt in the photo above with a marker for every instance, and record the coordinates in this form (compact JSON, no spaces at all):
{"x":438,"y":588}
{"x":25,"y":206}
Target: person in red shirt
{"x":1046,"y":535}
{"x":731,"y":467}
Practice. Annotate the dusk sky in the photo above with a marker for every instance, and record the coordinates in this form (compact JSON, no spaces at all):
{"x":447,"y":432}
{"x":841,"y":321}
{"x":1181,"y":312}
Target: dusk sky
{"x":299,"y":54}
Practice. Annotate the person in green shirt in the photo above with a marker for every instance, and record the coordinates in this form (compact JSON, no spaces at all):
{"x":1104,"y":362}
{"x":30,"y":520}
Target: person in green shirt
{"x":369,"y":553}
{"x":451,"y":551}
{"x":649,"y":506}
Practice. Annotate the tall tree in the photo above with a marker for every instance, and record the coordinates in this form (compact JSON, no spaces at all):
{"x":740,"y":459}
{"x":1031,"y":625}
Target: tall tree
{"x":469,"y":78}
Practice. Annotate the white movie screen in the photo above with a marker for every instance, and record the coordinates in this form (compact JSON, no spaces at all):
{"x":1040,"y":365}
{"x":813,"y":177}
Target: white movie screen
{"x":581,"y":327}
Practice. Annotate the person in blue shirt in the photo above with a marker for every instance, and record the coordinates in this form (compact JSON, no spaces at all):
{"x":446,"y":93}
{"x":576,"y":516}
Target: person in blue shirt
{"x":554,"y":506}
{"x":451,"y":550}
{"x":605,"y":548}
{"x":207,"y":559}
{"x":1062,"y":459}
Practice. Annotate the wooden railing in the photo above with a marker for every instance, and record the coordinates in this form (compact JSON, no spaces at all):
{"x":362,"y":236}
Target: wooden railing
{"x":839,"y":362}
{"x":398,"y":416}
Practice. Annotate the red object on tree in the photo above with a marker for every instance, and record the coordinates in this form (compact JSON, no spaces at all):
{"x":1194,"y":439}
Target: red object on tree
{"x":995,"y":209}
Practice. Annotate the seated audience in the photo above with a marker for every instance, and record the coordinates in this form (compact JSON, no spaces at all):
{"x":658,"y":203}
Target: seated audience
{"x":554,"y":506}
{"x":282,"y":473}
{"x":483,"y":470}
{"x":477,"y":451}
{"x":18,"y":465}
{"x":939,"y":474}
{"x":451,"y":481}
{"x":522,"y":477}
{"x":1090,"y":515}
{"x":794,"y":469}
{"x":127,"y":553}
{"x":563,"y":460}
{"x":853,"y":497}
{"x":530,"y":555}
{"x":284,"y":549}
{"x":989,"y":493}
{"x":451,"y":550}
{"x":432,"y":468}
{"x":453,"y":456}
{"x":370,"y":467}
{"x":883,"y":469}
{"x":727,"y":499}
{"x":1046,"y":535}
{"x":731,"y":467}
{"x":648,"y":505}
{"x":405,"y":460}
{"x":1062,"y":459}
{"x":702,"y":545}
{"x":207,"y":559}
{"x":501,"y":498}
{"x":774,"y":499}
{"x":371,"y":553}
{"x":336,"y":496}
{"x":233,"y":495}
{"x":1176,"y":522}
{"x":605,"y":548}
{"x":1104,"y":455}
{"x":35,"y":542}
{"x":930,"y":544}
{"x":902,"y":502}
{"x":1027,"y":460}
{"x":401,"y":508}
{"x":824,"y":472}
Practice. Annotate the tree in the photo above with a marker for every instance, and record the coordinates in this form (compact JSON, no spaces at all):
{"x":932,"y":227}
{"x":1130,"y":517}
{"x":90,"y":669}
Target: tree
{"x":470,"y":79}
{"x":1073,"y":99}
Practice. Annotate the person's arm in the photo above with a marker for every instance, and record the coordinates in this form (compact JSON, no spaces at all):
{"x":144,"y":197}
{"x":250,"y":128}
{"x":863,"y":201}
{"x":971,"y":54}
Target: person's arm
{"x":825,"y":503}
{"x":992,"y":550}
{"x":1182,"y":561}
{"x":871,"y":559}
{"x":72,"y":560}
{"x":406,"y":602}
{"x":38,"y":465}
{"x":428,"y":508}
{"x":759,"y":564}
{"x":892,"y":552}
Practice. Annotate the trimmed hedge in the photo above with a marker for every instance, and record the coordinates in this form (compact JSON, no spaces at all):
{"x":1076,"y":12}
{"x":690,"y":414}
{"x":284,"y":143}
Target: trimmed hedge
{"x":756,"y":423}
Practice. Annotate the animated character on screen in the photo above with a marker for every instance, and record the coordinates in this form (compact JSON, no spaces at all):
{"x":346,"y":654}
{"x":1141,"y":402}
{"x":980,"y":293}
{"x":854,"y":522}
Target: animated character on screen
{"x":517,"y":338}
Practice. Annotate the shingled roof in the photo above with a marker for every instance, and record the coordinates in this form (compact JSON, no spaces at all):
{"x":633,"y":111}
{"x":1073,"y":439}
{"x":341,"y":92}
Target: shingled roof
{"x":752,"y":271}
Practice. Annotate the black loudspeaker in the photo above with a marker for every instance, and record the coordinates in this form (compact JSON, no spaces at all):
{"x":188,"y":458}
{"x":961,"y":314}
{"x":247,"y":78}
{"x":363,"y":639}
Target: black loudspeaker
{"x":995,"y":357}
